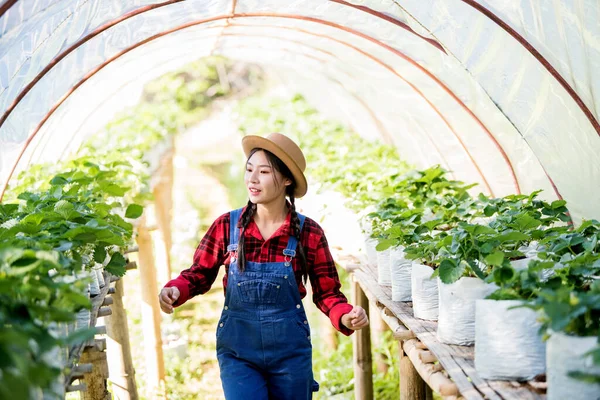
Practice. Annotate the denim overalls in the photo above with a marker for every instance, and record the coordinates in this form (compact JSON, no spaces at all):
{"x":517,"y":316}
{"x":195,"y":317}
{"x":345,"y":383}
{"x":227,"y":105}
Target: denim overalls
{"x":263,"y":337}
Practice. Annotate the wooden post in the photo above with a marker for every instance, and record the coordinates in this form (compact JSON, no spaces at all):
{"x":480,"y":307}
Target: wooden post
{"x":412,"y":386}
{"x":361,"y":340}
{"x":163,"y":204}
{"x":155,"y":369}
{"x":378,"y":327}
{"x":121,"y":371}
{"x":95,"y":381}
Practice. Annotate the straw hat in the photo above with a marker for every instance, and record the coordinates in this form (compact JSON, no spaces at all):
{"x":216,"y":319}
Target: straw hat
{"x":286,"y":150}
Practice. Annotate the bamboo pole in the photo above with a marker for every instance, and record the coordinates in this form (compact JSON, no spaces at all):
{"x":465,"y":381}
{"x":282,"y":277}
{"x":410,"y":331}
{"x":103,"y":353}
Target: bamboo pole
{"x":363,"y":366}
{"x":378,"y":328}
{"x":412,"y":386}
{"x":155,"y":369}
{"x":429,"y":372}
{"x":121,"y":371}
{"x":163,"y":203}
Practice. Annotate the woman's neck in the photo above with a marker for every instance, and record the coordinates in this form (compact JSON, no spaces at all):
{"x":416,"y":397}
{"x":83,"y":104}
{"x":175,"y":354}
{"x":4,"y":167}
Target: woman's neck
{"x":273,"y":213}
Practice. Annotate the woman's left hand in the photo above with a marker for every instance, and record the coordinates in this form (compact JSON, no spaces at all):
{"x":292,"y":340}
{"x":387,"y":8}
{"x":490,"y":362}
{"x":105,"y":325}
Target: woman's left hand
{"x":355,"y":319}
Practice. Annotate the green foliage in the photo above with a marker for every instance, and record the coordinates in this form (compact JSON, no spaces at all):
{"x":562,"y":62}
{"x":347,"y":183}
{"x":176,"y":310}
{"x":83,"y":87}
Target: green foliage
{"x":60,"y":218}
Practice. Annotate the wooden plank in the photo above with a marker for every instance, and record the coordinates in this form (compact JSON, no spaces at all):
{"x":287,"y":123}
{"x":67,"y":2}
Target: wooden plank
{"x":458,"y":361}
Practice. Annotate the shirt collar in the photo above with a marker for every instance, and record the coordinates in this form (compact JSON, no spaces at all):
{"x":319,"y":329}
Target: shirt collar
{"x":284,"y":230}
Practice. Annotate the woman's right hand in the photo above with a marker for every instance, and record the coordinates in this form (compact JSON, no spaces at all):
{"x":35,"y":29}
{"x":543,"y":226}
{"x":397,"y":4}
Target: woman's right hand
{"x":167,"y":297}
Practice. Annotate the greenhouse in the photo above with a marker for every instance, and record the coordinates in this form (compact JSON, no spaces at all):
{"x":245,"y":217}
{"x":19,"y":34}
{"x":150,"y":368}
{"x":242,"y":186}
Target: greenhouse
{"x":451,"y":152}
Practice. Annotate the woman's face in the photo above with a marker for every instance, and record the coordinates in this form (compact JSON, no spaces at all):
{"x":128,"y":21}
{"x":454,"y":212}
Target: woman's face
{"x":264,"y":183}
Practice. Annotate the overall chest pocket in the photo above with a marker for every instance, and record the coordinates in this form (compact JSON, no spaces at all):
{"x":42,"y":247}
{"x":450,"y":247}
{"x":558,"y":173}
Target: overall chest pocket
{"x":258,"y":291}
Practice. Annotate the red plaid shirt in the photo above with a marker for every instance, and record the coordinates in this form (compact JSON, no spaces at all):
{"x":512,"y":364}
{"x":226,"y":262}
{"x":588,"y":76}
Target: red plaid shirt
{"x":212,"y":253}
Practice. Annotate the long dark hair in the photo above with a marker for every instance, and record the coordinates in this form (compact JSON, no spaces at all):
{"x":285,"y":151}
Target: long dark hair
{"x":248,"y":213}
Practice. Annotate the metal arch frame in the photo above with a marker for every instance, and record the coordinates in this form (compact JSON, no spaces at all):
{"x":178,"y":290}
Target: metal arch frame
{"x":369,"y":111}
{"x":73,"y":47}
{"x":204,"y":20}
{"x":6,"y":6}
{"x":410,"y":60}
{"x":538,"y":56}
{"x":372,"y":114}
{"x":394,"y":21}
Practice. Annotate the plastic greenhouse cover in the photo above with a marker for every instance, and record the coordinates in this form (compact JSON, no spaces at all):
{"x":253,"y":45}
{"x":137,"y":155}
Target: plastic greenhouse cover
{"x":503,"y":94}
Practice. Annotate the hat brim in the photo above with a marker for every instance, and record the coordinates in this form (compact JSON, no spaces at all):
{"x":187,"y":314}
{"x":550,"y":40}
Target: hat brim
{"x":250,"y":142}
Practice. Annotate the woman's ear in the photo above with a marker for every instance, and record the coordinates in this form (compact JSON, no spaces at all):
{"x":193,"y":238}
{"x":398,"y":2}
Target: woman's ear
{"x":287,"y":182}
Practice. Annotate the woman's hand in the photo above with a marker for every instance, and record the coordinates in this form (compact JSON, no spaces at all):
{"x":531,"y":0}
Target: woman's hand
{"x":167,"y":297}
{"x":355,"y":319}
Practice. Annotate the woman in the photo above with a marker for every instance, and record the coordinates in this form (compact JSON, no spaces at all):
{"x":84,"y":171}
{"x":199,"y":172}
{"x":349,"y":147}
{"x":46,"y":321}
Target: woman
{"x":269,"y":251}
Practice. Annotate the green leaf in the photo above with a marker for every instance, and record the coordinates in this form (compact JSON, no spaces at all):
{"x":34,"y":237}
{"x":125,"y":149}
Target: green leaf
{"x":134,"y":211}
{"x":503,"y":275}
{"x":58,"y":180}
{"x":557,"y":204}
{"x":449,"y":271}
{"x":490,"y":210}
{"x":116,"y":266}
{"x":64,"y":208}
{"x":476,"y":270}
{"x":385,"y":244}
{"x":526,"y":221}
{"x":483,"y":230}
{"x":112,"y":189}
{"x":99,"y":254}
{"x":513,"y":236}
{"x":495,"y":258}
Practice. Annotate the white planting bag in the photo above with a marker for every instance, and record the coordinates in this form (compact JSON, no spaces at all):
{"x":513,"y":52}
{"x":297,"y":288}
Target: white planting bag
{"x":456,"y":321}
{"x":370,"y":245}
{"x":424,"y":292}
{"x":401,"y":269}
{"x":564,"y":354}
{"x":384,"y":277}
{"x":508,"y":345}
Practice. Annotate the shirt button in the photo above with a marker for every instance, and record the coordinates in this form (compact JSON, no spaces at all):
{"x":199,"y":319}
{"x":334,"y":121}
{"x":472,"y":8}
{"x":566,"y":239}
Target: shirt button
{"x":239,"y":284}
{"x":308,"y":337}
{"x":285,"y":277}
{"x":227,"y":308}
{"x":297,"y":305}
{"x":221,"y":324}
{"x":278,"y":286}
{"x":306,"y":322}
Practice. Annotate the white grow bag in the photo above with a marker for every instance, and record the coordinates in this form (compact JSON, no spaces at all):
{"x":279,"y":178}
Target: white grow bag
{"x":456,"y":321}
{"x":508,"y":345}
{"x":424,"y":292}
{"x":564,"y":354}
{"x":370,"y":245}
{"x":401,"y":269}
{"x":384,"y":276}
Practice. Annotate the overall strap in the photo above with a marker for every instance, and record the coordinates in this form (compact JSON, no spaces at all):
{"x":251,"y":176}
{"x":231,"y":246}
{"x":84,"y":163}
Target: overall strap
{"x":290,"y":250}
{"x":234,"y":233}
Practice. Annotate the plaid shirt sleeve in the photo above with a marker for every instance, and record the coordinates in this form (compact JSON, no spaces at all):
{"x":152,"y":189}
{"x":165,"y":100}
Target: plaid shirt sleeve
{"x":324,"y":279}
{"x":208,"y":258}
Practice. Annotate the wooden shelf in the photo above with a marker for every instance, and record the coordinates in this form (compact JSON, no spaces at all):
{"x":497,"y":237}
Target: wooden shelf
{"x":457,"y":362}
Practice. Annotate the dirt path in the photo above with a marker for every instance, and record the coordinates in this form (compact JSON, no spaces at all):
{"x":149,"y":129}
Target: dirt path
{"x":189,"y":335}
{"x":199,"y":198}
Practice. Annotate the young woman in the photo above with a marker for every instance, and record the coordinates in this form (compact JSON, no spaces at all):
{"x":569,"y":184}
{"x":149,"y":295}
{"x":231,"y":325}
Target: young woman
{"x":269,"y":251}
